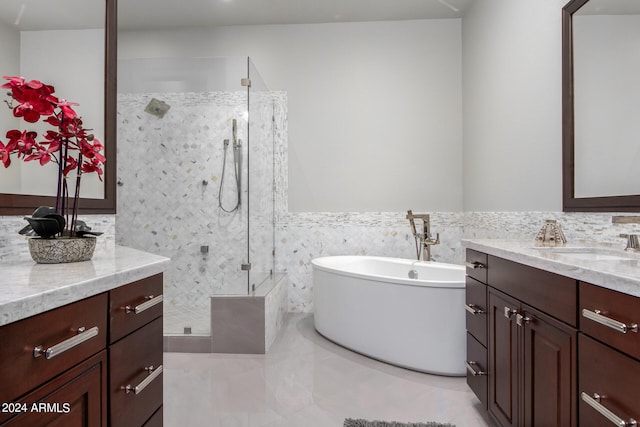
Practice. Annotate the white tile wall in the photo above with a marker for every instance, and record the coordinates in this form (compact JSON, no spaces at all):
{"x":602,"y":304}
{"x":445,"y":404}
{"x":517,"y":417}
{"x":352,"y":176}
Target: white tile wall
{"x":170,"y":175}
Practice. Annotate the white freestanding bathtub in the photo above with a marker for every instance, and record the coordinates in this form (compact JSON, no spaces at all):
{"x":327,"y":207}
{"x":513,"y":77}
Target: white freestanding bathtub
{"x":372,"y":305}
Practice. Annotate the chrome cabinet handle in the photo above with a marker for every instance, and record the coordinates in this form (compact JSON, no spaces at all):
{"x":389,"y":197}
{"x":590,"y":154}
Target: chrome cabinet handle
{"x":609,"y":322}
{"x":153,"y":374}
{"x":508,"y":312}
{"x":151,"y":301}
{"x":594,"y":402}
{"x":475,"y":265}
{"x":474,"y":309}
{"x":68,"y":344}
{"x":522,"y":320}
{"x":472,"y":370}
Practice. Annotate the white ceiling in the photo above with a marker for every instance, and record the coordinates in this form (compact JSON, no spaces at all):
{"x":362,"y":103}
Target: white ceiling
{"x":147,"y":14}
{"x":151,"y":14}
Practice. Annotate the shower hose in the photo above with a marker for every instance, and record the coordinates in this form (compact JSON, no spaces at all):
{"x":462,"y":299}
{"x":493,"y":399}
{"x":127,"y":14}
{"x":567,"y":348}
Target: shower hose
{"x":236,"y":167}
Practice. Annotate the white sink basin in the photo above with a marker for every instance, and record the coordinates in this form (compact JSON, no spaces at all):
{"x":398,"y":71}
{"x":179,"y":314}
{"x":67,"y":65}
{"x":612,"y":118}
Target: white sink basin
{"x":588,"y":254}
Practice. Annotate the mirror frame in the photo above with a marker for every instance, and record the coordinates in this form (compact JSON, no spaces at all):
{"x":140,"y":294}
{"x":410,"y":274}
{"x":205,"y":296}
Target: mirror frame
{"x":570,"y":203}
{"x":19,"y":204}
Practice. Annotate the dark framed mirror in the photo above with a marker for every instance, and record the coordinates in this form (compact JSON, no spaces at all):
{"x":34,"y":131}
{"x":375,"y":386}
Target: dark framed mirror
{"x":105,"y":201}
{"x":600,"y":136}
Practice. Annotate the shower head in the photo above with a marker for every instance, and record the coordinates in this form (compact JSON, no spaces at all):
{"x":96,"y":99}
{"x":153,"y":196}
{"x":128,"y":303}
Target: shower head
{"x":157,"y":108}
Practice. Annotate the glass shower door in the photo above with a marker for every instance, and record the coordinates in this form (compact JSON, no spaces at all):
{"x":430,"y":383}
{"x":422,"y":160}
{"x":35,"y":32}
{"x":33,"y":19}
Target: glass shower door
{"x":261,"y":245}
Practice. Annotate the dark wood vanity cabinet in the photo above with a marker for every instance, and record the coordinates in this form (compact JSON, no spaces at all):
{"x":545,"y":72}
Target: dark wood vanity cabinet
{"x":609,"y":360}
{"x":71,"y":366}
{"x":135,"y":352}
{"x":476,"y":323}
{"x":531,"y":344}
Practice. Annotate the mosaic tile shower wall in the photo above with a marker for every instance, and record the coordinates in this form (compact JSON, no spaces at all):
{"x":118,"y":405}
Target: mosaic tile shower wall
{"x":170,"y":176}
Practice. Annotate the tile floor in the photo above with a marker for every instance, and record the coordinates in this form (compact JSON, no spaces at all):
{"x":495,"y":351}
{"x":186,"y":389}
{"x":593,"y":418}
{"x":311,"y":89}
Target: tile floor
{"x":307,"y":381}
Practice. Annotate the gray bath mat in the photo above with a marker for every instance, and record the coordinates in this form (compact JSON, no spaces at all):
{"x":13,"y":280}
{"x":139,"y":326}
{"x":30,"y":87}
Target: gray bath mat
{"x":349,"y":422}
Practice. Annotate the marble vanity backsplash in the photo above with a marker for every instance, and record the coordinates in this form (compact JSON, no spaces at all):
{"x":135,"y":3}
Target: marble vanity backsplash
{"x":300,"y":237}
{"x":14,"y":246}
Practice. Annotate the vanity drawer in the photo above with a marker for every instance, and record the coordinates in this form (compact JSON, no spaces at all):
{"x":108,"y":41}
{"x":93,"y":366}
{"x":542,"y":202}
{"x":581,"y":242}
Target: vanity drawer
{"x":130,"y":361}
{"x":617,"y":311}
{"x":548,"y":292}
{"x":477,"y":368}
{"x":608,"y":373}
{"x":134,"y":305}
{"x":57,"y":333}
{"x":155,"y":420}
{"x":477,"y":265}
{"x":476,"y":309}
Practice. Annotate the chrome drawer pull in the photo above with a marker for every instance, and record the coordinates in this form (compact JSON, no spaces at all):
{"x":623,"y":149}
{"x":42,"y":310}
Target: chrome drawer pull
{"x":475,"y":265}
{"x":68,"y":344}
{"x":508,"y":312}
{"x":473,"y":309}
{"x":153,"y":374}
{"x":472,"y":370}
{"x":594,"y":402}
{"x":607,"y":321}
{"x":151,"y":301}
{"x":522,"y":320}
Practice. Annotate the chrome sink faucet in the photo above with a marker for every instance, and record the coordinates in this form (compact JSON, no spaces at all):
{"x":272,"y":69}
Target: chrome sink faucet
{"x":424,"y":240}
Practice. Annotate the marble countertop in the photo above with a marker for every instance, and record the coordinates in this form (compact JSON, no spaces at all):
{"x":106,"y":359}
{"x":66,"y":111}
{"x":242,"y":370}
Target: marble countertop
{"x":621,"y":275}
{"x":27,"y":288}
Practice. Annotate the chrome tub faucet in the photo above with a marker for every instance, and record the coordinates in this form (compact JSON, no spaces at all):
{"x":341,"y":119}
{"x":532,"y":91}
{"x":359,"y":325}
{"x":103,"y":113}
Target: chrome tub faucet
{"x":424,"y":240}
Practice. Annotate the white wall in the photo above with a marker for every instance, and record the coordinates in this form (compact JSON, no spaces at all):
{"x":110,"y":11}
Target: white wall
{"x":374,"y":108}
{"x":77,"y":74}
{"x":606,"y":93}
{"x":512,"y":82}
{"x":9,"y":66}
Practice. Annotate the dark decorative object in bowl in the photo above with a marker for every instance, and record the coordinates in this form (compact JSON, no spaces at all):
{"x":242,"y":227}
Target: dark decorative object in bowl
{"x":54,"y":245}
{"x":71,"y":147}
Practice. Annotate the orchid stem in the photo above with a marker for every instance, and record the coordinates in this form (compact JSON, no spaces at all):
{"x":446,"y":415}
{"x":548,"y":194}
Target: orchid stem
{"x":74,"y":216}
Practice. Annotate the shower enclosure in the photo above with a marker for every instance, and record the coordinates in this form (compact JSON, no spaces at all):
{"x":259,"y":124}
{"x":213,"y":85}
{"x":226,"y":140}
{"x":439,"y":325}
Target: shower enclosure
{"x":196,"y":178}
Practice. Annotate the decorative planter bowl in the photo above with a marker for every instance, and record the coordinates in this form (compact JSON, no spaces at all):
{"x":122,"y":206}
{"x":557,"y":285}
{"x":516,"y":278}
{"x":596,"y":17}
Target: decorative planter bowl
{"x":62,"y":249}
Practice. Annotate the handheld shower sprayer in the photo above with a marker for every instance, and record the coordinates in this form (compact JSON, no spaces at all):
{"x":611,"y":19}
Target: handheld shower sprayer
{"x":237,"y":167}
{"x":234,"y":132}
{"x":412,"y":223}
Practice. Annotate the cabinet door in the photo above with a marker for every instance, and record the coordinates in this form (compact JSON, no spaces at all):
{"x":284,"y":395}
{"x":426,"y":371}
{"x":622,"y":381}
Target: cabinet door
{"x":503,"y":359}
{"x":549,"y":362}
{"x":77,"y":398}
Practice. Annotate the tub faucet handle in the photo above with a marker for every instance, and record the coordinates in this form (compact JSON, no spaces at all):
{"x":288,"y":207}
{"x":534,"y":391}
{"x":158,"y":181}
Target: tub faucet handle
{"x":633,"y":243}
{"x":431,"y":241}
